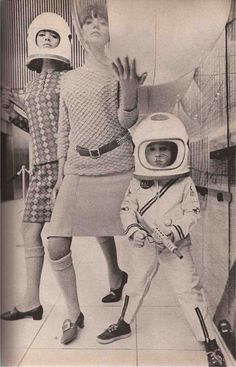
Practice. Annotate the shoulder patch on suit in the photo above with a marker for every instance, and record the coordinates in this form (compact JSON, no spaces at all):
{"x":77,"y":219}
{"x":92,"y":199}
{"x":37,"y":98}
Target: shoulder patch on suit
{"x":146,"y":184}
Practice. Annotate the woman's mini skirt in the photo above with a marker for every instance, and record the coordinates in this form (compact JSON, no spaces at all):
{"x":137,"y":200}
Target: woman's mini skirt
{"x":89,"y":206}
{"x":38,"y":207}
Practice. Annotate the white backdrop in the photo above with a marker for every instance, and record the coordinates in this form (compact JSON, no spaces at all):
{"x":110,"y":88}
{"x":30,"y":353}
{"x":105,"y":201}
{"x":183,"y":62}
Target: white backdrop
{"x":167,"y":37}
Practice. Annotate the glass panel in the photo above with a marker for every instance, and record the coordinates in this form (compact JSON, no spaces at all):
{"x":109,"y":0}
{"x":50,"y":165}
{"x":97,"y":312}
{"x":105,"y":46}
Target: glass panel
{"x":208,"y":110}
{"x":225,"y":317}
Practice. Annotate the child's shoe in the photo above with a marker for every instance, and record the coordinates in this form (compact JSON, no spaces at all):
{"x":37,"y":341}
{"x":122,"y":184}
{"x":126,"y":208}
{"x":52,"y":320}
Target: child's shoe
{"x":114,"y":332}
{"x":214,"y":354}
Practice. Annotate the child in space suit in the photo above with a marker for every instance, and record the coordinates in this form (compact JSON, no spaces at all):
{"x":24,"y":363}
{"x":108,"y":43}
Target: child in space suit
{"x":162,"y":194}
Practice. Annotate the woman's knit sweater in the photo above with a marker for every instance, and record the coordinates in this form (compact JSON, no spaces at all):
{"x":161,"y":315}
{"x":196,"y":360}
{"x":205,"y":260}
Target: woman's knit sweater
{"x":90,"y":116}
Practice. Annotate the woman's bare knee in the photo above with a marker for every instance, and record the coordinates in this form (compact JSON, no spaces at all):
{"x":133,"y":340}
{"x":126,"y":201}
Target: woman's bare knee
{"x":31,"y":233}
{"x":58,"y":247}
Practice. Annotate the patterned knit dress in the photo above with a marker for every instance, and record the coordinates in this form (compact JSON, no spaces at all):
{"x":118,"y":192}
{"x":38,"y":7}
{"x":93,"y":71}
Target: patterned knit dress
{"x":42,"y":109}
{"x":89,"y":200}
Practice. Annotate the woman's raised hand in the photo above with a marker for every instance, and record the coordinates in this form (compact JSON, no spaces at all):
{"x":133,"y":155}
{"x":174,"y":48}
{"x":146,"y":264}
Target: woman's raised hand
{"x":129,"y":81}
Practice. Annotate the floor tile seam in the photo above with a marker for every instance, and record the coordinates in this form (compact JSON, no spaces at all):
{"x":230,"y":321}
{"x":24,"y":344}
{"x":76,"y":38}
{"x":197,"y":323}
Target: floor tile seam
{"x":161,"y":306}
{"x":173,"y":350}
{"x":162,"y":349}
{"x":95,"y":348}
{"x":107,"y":307}
{"x":35,"y":336}
{"x":13,"y":348}
{"x":118,"y":306}
{"x":82,"y":349}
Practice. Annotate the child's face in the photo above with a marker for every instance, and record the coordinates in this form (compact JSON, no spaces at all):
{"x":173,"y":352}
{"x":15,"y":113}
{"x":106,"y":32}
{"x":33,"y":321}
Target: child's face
{"x":47,"y":39}
{"x":159,"y":154}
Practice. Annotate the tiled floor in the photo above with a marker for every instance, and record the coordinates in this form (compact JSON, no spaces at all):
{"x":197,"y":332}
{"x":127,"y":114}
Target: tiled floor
{"x":160,"y":334}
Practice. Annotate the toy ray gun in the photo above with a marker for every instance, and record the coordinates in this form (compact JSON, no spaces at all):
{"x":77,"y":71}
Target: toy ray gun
{"x":158,"y":236}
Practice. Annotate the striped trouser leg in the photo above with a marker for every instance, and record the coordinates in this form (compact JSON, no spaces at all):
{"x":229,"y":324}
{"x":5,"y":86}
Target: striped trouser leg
{"x":184,"y":279}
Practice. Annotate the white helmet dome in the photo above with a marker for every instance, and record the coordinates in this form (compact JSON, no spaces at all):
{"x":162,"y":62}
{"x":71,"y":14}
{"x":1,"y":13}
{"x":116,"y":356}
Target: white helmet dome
{"x":51,"y":22}
{"x":160,"y":127}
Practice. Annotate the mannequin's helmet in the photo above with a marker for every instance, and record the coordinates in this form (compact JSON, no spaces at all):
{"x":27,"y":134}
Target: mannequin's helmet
{"x":160,"y":131}
{"x":51,"y":22}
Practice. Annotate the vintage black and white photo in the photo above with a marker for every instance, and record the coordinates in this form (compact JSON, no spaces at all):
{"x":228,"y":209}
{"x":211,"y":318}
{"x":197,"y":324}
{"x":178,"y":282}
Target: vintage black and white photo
{"x":118,"y":183}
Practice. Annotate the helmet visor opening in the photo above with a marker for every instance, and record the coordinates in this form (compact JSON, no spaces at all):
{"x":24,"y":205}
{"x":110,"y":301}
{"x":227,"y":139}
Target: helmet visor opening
{"x":161,"y":154}
{"x":47,"y":38}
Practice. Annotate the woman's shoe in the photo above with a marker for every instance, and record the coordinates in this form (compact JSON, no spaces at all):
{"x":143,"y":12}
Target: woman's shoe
{"x":35,"y":313}
{"x":70,"y":329}
{"x":116,"y":294}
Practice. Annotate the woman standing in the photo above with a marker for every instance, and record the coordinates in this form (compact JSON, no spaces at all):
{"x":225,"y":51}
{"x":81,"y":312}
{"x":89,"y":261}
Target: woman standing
{"x":49,"y":54}
{"x":95,"y":160}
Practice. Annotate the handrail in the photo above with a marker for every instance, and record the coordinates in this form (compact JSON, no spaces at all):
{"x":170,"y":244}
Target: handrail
{"x":22,"y":171}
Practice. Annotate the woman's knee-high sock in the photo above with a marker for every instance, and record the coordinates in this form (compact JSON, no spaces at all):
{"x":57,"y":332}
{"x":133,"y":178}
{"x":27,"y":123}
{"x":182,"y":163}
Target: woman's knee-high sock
{"x":65,"y":274}
{"x":34,"y":258}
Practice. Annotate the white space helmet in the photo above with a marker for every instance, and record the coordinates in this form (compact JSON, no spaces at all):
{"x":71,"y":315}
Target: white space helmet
{"x":163,"y":128}
{"x":52,"y":22}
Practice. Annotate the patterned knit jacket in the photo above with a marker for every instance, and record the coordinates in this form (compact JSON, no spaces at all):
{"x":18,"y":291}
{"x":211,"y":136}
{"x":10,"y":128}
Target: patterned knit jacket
{"x":90,"y":116}
{"x":41,"y":101}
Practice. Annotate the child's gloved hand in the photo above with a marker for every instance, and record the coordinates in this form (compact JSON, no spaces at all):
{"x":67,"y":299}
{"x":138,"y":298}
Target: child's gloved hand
{"x":139,"y":238}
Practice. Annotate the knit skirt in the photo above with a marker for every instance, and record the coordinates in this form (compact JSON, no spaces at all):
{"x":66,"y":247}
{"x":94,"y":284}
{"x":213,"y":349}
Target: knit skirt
{"x":89,"y":206}
{"x":38,"y":207}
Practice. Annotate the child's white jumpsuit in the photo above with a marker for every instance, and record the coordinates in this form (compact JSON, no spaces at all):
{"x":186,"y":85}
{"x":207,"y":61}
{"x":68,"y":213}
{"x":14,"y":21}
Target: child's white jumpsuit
{"x":175,"y":203}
